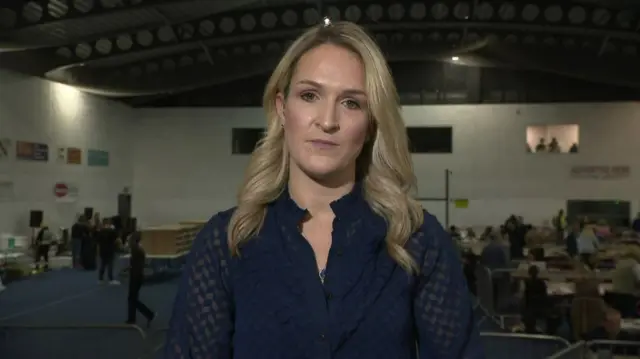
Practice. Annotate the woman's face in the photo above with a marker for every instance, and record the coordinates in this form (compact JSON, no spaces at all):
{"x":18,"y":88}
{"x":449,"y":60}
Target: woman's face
{"x":325,"y":115}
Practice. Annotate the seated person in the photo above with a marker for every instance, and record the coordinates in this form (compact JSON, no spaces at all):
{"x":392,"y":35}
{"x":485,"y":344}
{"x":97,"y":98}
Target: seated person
{"x":486,"y":235}
{"x":588,"y":310}
{"x":625,"y":292}
{"x":609,"y":329}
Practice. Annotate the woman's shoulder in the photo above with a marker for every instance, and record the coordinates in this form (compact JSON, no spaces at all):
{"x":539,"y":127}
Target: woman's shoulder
{"x":430,"y":234}
{"x":212,"y":238}
{"x":431,"y":240}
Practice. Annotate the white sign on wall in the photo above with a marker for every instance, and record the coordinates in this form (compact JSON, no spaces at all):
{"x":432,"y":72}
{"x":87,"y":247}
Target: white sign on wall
{"x":65,"y":192}
{"x":601,"y":172}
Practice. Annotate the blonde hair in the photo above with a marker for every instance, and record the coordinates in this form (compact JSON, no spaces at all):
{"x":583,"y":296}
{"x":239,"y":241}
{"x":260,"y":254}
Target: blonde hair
{"x":384,"y":166}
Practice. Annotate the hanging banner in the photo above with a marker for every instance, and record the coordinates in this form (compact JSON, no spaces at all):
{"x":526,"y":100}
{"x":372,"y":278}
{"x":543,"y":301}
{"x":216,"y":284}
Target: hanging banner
{"x":32,"y":151}
{"x":97,"y":158}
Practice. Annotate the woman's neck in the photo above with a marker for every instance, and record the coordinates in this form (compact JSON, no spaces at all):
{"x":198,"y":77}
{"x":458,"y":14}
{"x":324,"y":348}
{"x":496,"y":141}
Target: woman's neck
{"x":314,"y":196}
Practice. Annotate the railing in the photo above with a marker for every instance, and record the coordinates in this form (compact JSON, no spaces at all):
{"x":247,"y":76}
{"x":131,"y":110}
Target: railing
{"x":156,"y":342}
{"x":72,"y":341}
{"x":522,"y":346}
{"x":600,"y":349}
{"x":578,"y":350}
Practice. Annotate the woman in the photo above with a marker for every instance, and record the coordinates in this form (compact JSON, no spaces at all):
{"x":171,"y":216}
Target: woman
{"x":327,"y":254}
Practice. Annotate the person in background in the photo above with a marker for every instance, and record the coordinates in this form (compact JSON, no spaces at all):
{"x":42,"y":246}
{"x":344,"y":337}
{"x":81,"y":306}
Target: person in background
{"x":44,"y":240}
{"x":136,"y":279}
{"x":455,"y":233}
{"x":587,"y":244}
{"x":517,"y":232}
{"x":542,"y":145}
{"x":471,"y":235}
{"x":609,"y":329}
{"x":535,"y":300}
{"x":470,"y":262}
{"x":560,"y":224}
{"x":494,"y":255}
{"x":486,"y":235}
{"x":554,"y":146}
{"x":572,"y":240}
{"x":625,"y":293}
{"x":636,"y":224}
{"x":107,"y":247}
{"x":79,"y":234}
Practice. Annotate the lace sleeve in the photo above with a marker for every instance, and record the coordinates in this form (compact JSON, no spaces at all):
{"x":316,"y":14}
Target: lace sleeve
{"x":442,"y":306}
{"x":202,"y":322}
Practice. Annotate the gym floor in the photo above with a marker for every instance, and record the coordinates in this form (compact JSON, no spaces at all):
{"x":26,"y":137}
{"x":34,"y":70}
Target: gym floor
{"x":66,"y":313}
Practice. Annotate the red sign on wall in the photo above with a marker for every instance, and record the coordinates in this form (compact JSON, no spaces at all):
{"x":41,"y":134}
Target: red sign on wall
{"x":60,"y":190}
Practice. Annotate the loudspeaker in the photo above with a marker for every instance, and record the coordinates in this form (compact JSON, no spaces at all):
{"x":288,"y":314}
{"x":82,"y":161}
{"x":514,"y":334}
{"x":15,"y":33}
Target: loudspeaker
{"x":88,"y":213}
{"x":35,"y":218}
{"x":124,"y":205}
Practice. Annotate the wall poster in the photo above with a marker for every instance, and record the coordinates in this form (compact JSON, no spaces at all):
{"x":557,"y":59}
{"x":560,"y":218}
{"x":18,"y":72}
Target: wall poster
{"x":32,"y":151}
{"x":97,"y":158}
{"x":70,"y":155}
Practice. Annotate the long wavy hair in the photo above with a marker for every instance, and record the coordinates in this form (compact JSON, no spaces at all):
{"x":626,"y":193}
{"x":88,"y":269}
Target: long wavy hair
{"x":384,"y":166}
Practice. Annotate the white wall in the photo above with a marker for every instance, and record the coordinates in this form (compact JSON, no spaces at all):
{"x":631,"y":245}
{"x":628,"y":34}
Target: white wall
{"x":184,"y":169}
{"x":38,"y":111}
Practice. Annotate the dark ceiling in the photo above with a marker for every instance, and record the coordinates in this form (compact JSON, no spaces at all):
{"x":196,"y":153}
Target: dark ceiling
{"x":148,"y":52}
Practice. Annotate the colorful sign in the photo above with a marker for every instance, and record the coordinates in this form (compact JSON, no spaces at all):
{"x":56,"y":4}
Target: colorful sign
{"x":97,"y":158}
{"x":74,"y":156}
{"x":31,"y":151}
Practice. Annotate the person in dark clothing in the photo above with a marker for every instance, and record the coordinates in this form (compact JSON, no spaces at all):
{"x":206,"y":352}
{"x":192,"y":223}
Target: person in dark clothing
{"x":44,"y":240}
{"x":107,"y":247}
{"x":79,"y":234}
{"x":136,"y":279}
{"x":636,"y":224}
{"x":572,"y":240}
{"x":517,"y":231}
{"x":536,"y":304}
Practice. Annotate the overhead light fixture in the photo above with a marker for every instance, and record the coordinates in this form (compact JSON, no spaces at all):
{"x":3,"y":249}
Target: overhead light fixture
{"x":455,"y":58}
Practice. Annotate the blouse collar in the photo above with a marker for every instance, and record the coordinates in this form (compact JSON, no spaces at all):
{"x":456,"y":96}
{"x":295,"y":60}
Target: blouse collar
{"x":350,"y":205}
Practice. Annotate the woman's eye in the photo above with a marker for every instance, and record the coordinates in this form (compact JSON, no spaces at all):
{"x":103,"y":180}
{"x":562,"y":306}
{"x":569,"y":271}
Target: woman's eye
{"x":352,"y":105}
{"x":308,"y":96}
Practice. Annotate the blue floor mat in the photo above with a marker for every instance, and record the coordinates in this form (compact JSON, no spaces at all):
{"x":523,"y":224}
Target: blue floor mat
{"x":68,"y":298}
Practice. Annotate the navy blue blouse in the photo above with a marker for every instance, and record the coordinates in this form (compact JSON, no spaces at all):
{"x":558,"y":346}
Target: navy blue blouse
{"x":269,"y":303}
